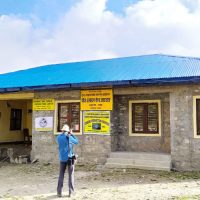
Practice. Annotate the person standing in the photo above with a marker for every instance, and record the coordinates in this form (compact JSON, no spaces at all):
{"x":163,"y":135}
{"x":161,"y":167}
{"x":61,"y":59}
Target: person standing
{"x":66,"y":140}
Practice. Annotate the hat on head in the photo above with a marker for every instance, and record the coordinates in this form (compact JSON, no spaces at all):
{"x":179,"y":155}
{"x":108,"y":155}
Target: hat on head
{"x":65,"y":128}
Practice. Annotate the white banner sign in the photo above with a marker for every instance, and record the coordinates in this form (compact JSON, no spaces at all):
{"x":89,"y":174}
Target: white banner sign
{"x":44,"y":123}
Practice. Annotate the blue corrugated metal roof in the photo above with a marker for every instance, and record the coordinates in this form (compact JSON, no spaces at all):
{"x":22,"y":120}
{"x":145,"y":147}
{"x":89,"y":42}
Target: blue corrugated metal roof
{"x":138,"y":69}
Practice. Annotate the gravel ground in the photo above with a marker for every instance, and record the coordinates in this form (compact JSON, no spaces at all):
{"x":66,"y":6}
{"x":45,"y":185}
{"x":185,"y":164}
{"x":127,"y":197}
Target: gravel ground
{"x":39,"y":182}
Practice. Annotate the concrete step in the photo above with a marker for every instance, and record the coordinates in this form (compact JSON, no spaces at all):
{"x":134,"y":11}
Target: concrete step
{"x":137,"y":161}
{"x":126,"y":166}
{"x":140,"y":160}
{"x":141,"y":155}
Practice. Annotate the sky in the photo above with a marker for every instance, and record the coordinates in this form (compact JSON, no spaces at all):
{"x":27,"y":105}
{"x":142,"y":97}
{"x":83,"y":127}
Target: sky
{"x":42,"y":32}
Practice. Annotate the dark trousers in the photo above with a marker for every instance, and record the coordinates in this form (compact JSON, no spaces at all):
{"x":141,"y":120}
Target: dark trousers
{"x":63,"y":166}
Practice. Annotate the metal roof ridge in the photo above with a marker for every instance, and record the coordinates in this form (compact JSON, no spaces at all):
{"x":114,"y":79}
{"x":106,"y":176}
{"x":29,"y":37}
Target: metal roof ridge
{"x":178,"y":56}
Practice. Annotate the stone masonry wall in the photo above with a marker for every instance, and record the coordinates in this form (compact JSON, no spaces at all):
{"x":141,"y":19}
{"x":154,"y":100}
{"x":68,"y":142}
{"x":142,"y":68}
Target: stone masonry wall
{"x":185,"y":148}
{"x":121,"y":141}
{"x":91,"y":149}
{"x":177,"y":127}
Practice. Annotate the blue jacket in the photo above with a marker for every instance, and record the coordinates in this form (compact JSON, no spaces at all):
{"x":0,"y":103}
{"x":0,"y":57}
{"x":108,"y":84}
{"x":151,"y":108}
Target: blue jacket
{"x":65,"y":145}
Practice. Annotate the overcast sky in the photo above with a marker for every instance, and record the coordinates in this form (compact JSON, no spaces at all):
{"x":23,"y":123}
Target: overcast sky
{"x":40,"y":32}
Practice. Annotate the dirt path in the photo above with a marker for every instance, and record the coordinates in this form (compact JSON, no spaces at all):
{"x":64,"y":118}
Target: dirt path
{"x":38,"y":182}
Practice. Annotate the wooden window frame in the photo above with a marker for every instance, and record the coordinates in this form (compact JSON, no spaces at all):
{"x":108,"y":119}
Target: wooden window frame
{"x":131,"y":119}
{"x":195,"y":128}
{"x":57,"y":103}
{"x":13,"y":119}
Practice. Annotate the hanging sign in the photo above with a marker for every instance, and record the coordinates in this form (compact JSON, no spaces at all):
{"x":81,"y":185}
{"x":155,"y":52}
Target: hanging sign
{"x":43,"y":104}
{"x":97,"y":122}
{"x":44,"y":123}
{"x":96,"y":99}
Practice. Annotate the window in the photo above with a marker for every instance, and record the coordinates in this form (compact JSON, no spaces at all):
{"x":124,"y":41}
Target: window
{"x":196,"y":116}
{"x":15,"y":119}
{"x":144,"y":117}
{"x":69,"y":113}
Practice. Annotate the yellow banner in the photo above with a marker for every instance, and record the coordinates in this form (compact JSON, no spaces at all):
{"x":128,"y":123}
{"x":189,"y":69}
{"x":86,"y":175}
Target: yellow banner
{"x":96,"y":99}
{"x":97,"y":122}
{"x":43,"y":104}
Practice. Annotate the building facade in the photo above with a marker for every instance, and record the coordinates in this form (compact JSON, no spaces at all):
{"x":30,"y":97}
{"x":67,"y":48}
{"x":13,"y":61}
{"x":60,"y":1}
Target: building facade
{"x":145,"y":116}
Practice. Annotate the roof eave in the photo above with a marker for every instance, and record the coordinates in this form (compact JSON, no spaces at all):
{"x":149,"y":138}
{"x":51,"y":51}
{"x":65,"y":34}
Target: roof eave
{"x":140,"y":82}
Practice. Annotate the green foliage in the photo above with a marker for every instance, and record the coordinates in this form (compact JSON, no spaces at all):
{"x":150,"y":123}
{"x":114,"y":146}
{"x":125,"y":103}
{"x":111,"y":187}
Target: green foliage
{"x":180,"y":175}
{"x":195,"y":197}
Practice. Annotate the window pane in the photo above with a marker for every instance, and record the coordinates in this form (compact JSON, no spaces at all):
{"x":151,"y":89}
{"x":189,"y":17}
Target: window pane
{"x":63,"y":115}
{"x":17,"y":114}
{"x":18,"y":124}
{"x":152,"y":118}
{"x":138,"y":118}
{"x":75,"y":117}
{"x":64,"y":110}
{"x":15,"y":119}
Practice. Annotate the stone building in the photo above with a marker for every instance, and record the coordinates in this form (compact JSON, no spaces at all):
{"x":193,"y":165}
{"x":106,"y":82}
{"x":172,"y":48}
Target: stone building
{"x":130,"y":105}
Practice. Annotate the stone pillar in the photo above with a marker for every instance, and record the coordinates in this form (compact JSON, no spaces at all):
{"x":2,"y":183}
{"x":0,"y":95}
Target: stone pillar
{"x":181,"y":120}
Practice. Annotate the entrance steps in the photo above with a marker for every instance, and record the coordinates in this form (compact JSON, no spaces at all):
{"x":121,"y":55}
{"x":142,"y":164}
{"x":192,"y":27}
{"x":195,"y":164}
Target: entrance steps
{"x":139,"y":160}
